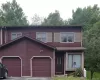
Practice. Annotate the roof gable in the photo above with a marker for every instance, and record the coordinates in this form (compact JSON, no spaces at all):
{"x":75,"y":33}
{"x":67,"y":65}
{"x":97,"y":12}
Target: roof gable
{"x":25,"y":37}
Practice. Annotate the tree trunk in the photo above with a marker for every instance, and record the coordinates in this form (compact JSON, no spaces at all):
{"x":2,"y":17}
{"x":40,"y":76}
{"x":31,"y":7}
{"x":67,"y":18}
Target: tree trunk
{"x":92,"y":74}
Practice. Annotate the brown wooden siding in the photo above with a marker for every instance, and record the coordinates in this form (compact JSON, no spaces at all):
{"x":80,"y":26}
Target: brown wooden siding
{"x":56,"y":36}
{"x":58,"y":44}
{"x":26,"y":50}
{"x":55,"y":41}
{"x":78,"y":37}
{"x":49,"y":36}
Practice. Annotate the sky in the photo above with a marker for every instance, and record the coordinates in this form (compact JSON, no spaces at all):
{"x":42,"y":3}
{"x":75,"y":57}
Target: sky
{"x":44,"y":7}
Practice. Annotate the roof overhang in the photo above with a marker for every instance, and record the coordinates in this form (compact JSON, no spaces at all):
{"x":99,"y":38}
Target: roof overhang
{"x":70,"y":48}
{"x":41,"y":27}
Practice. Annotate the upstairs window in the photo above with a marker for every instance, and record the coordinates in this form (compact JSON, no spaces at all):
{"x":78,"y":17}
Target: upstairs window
{"x":41,"y":36}
{"x":15,"y":35}
{"x":67,"y":37}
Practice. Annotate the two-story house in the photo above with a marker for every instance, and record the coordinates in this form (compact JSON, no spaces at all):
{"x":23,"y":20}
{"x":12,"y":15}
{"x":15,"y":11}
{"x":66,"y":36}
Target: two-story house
{"x":41,"y":51}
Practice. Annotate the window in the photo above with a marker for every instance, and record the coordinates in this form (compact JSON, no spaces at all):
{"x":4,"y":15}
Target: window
{"x":59,"y":59}
{"x":74,"y":61}
{"x":1,"y":65}
{"x":15,"y":35}
{"x":67,"y":37}
{"x":41,"y":36}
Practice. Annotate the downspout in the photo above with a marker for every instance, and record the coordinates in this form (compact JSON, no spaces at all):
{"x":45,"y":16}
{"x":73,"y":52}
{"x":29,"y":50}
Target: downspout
{"x":81,"y":37}
{"x":1,"y":36}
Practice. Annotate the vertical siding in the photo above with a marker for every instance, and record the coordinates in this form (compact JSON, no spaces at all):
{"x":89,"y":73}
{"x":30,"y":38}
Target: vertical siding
{"x":56,"y":37}
{"x":26,"y":50}
{"x":49,"y":36}
{"x":78,"y":37}
{"x":35,"y":50}
{"x":53,"y":36}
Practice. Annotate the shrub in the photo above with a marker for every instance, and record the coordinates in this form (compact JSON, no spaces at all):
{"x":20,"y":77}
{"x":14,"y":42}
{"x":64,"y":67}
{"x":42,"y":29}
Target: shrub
{"x":78,"y":72}
{"x":70,"y":74}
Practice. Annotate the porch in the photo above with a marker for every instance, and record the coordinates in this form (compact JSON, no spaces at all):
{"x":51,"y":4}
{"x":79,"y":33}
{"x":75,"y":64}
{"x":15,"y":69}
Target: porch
{"x":67,"y":61}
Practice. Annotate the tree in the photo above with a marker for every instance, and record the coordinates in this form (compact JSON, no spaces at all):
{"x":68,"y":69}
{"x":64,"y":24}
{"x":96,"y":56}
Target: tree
{"x":53,"y":19}
{"x":89,"y":18}
{"x":11,"y":14}
{"x":85,"y":17}
{"x":92,"y":43}
{"x":36,"y":20}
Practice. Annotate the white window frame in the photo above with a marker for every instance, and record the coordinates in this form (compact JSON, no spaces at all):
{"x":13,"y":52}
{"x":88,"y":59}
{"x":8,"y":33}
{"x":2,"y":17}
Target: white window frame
{"x":67,"y":33}
{"x":67,"y":68}
{"x":16,"y":34}
{"x":44,"y":33}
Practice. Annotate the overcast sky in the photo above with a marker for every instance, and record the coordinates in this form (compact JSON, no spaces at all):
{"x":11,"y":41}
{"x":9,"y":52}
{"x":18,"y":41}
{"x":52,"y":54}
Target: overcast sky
{"x":44,"y":7}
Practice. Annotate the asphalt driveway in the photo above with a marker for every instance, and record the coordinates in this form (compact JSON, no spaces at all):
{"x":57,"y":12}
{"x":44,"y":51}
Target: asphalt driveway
{"x":24,"y":78}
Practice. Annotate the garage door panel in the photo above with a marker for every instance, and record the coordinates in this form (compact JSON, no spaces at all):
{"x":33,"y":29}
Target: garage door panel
{"x":41,"y":74}
{"x":37,"y":61}
{"x":41,"y":67}
{"x":13,"y":65}
{"x":38,"y":64}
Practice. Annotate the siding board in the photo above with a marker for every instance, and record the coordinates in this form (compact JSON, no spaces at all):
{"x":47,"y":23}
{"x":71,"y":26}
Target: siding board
{"x":77,"y":36}
{"x":57,"y":37}
{"x":49,"y":36}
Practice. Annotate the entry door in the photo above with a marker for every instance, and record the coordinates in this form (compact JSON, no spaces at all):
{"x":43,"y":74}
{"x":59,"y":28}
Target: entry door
{"x":59,"y":64}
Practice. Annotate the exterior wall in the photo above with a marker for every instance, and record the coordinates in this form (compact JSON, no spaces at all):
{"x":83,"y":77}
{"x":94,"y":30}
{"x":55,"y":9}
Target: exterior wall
{"x":0,"y":37}
{"x":53,"y":35}
{"x":26,"y":50}
{"x":58,"y":44}
{"x":25,"y":32}
{"x":49,"y":37}
{"x":38,"y":50}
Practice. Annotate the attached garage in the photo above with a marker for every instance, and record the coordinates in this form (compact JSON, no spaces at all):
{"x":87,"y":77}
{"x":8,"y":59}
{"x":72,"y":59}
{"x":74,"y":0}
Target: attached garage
{"x":13,"y":65}
{"x":28,"y":57}
{"x":41,"y":67}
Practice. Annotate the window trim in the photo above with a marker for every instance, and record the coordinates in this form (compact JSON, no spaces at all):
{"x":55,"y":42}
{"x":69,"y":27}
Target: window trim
{"x":46,"y":36}
{"x":68,"y":33}
{"x":15,"y":33}
{"x":1,"y":65}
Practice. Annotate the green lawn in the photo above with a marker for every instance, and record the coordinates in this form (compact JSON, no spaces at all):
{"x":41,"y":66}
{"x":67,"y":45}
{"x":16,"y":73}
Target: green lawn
{"x":96,"y":75}
{"x":67,"y":78}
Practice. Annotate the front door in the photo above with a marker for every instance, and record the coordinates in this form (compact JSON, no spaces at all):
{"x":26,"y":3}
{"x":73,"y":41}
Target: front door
{"x":59,"y":64}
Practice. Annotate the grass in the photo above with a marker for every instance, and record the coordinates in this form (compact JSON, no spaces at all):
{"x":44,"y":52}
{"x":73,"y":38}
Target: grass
{"x":96,"y":75}
{"x":67,"y":78}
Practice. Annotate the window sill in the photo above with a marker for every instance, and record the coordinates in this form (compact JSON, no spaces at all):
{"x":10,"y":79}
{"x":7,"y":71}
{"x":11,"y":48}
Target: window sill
{"x":73,"y":69}
{"x":66,"y":42}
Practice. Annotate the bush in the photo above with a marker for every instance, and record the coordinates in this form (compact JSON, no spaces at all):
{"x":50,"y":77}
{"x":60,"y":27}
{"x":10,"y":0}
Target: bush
{"x":71,"y":74}
{"x":78,"y":72}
